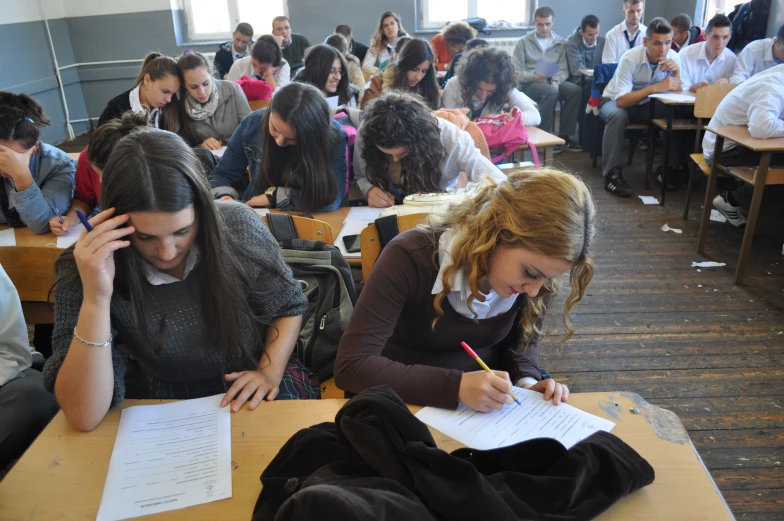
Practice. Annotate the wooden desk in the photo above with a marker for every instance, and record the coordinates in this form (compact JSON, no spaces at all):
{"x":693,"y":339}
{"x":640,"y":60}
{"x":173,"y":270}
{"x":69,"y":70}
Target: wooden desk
{"x":758,"y":178}
{"x":71,"y":466}
{"x":541,"y":140}
{"x":74,"y":155}
{"x":670,"y":105}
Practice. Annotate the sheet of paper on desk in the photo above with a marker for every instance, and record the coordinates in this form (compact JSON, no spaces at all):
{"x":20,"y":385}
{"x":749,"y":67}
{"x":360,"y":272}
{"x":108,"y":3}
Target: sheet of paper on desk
{"x":546,"y":68}
{"x":8,"y":237}
{"x":350,"y":227}
{"x":167,"y":457}
{"x":364,"y":213}
{"x":219,"y":153}
{"x":671,"y":96}
{"x":70,"y":238}
{"x":535,"y":418}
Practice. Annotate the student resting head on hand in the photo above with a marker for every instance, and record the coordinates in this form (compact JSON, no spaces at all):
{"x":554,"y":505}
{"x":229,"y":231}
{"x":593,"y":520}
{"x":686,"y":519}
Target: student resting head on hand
{"x":211,"y":109}
{"x":297,"y":155}
{"x":36,"y":179}
{"x":402,"y":149}
{"x":484,"y":273}
{"x":90,"y":165}
{"x":327,"y":70}
{"x":197,"y":290}
{"x":413,"y":72}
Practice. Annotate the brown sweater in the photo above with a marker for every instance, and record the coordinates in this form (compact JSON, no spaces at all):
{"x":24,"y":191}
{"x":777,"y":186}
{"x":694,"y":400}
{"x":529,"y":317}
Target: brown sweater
{"x":389,"y":339}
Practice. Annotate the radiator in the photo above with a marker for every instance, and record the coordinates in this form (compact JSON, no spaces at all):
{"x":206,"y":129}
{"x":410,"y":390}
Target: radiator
{"x":505,"y":44}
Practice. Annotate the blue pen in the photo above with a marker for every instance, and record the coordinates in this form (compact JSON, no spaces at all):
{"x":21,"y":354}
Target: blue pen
{"x":84,"y":220}
{"x":57,"y":212}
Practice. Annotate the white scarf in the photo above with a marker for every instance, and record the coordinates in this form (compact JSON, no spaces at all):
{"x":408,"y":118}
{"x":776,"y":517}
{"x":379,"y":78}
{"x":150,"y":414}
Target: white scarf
{"x":198,"y":111}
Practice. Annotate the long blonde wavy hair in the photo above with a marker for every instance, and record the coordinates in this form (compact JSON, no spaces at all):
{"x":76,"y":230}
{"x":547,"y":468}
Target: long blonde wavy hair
{"x":545,"y":211}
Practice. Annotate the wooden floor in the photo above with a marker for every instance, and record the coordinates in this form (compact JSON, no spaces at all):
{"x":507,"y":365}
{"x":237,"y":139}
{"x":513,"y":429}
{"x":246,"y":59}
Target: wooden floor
{"x":686,"y":340}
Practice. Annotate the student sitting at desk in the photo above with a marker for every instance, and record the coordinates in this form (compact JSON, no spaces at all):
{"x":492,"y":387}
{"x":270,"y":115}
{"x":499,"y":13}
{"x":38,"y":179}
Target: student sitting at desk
{"x":355,"y":75}
{"x":152,"y":92}
{"x":652,"y":68}
{"x":626,"y":35}
{"x":197,"y":289}
{"x":327,"y":70}
{"x":450,"y":42}
{"x":90,"y":165}
{"x":485,"y":84}
{"x":382,"y":43}
{"x":36,"y":179}
{"x":376,"y":83}
{"x":25,"y":405}
{"x":210,"y":109}
{"x":709,"y":62}
{"x":758,"y":103}
{"x":484,"y":274}
{"x":402,"y":149}
{"x":413,"y":72}
{"x":296,"y":153}
{"x":264,"y":63}
{"x":759,"y":56}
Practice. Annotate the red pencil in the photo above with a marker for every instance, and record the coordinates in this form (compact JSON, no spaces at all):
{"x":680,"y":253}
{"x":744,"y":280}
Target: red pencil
{"x":484,"y":366}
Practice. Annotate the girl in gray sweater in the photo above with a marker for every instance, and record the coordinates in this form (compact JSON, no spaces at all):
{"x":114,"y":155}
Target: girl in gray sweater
{"x":211,"y":109}
{"x":197,"y":291}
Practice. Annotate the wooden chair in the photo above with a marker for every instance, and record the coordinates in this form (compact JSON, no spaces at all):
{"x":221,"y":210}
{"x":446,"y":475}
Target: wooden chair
{"x":258,"y":104}
{"x":31,"y":269}
{"x":310,"y":229}
{"x":708,"y":99}
{"x":370,"y":244}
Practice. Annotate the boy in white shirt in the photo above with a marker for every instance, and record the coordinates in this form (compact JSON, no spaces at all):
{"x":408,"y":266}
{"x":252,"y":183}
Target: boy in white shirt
{"x":627,"y":34}
{"x":758,"y":56}
{"x":758,"y":103}
{"x":709,"y":62}
{"x":25,"y":405}
{"x":646,"y":70}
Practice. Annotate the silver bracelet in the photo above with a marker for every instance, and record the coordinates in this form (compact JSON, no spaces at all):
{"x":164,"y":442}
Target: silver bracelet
{"x":94,"y":344}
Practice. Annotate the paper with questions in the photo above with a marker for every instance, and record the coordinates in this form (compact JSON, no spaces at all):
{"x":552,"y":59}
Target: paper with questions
{"x":535,"y":418}
{"x":546,"y":69}
{"x":8,"y":237}
{"x":70,"y":238}
{"x":167,"y":457}
{"x":671,"y":96}
{"x":219,"y":153}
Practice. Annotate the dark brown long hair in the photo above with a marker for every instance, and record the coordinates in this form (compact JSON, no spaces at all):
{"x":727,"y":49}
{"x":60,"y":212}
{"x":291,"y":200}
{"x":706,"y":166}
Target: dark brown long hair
{"x":413,"y":53}
{"x":318,"y":66}
{"x":155,"y":170}
{"x":398,"y":119}
{"x":106,"y":137}
{"x":188,"y":62}
{"x":379,"y":40}
{"x":21,"y":118}
{"x":159,"y":66}
{"x":307,"y":164}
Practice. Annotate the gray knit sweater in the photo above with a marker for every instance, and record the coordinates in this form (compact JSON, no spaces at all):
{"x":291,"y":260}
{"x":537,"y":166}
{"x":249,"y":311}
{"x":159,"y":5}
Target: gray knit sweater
{"x":187,"y":355}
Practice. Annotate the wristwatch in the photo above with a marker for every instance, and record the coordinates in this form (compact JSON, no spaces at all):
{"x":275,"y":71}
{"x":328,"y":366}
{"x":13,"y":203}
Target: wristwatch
{"x":270,"y":193}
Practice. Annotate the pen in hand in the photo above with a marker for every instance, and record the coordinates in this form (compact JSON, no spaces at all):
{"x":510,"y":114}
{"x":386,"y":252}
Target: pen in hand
{"x":57,"y":212}
{"x":484,"y":366}
{"x":84,"y":220}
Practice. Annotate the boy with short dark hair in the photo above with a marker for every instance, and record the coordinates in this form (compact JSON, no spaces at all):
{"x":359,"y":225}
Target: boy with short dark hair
{"x":234,"y":50}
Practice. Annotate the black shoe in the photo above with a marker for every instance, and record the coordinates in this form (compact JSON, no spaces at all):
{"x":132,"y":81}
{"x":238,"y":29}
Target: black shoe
{"x":670,"y":185}
{"x":616,"y":185}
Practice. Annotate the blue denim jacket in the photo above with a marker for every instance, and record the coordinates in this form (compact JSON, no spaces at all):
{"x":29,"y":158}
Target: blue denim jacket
{"x":244,"y":152}
{"x":53,"y":186}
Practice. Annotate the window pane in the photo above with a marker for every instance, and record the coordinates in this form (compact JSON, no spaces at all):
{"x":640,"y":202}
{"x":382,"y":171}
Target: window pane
{"x":260,"y":13}
{"x":210,"y":16}
{"x":510,"y":10}
{"x":446,"y":10}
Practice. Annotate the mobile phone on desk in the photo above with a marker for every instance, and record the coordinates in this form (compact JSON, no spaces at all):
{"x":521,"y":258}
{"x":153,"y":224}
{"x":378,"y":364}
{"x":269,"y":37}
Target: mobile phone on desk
{"x":351,"y":242}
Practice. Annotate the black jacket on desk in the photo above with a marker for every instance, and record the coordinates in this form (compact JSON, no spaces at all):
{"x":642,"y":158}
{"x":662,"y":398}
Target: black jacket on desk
{"x":378,"y":461}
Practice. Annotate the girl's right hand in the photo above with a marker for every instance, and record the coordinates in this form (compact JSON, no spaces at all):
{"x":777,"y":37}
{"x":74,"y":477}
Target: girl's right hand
{"x":211,"y":144}
{"x":378,"y":198}
{"x":485,"y":392}
{"x":61,"y":228}
{"x":94,"y":253}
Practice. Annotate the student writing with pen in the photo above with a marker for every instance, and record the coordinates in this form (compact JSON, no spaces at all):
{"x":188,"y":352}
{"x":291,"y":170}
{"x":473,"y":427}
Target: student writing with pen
{"x":484,"y":273}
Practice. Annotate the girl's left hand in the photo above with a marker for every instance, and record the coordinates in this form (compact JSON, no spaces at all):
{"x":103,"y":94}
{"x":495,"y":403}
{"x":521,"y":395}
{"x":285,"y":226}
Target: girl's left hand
{"x":551,"y":389}
{"x":252,"y":387}
{"x":260,"y":201}
{"x":211,"y":144}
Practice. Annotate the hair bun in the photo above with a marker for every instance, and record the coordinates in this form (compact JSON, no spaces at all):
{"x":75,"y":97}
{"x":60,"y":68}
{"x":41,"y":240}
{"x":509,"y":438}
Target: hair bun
{"x":132,"y":120}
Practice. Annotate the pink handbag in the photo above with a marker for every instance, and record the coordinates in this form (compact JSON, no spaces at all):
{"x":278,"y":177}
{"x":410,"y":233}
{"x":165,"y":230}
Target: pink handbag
{"x":507,"y":132}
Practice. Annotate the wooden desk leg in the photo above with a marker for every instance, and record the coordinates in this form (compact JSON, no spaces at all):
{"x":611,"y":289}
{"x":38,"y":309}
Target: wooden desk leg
{"x":709,"y":193}
{"x":548,"y":157}
{"x":751,"y":222}
{"x":667,"y":152}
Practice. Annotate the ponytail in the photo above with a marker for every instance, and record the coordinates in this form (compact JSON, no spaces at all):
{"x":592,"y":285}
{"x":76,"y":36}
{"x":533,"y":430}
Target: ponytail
{"x":104,"y":139}
{"x":157,"y":66}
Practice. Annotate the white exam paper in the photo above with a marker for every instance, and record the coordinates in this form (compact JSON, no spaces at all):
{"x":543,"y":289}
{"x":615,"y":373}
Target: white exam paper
{"x":8,"y":237}
{"x":167,"y":457}
{"x":535,"y":418}
{"x":70,"y":238}
{"x":219,"y":153}
{"x":261,"y":212}
{"x":671,"y":96}
{"x":648,"y":199}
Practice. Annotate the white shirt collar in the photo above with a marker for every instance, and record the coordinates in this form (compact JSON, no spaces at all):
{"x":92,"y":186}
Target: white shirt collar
{"x":157,"y":278}
{"x":589,"y":45}
{"x":702,"y":54}
{"x":626,"y":28}
{"x":136,"y":106}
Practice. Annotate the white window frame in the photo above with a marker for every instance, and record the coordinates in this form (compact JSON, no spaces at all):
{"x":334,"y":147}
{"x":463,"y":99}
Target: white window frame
{"x":473,"y":8}
{"x":234,"y":19}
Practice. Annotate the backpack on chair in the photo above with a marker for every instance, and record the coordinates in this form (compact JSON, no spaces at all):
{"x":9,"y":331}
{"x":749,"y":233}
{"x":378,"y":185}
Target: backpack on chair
{"x":327,"y":283}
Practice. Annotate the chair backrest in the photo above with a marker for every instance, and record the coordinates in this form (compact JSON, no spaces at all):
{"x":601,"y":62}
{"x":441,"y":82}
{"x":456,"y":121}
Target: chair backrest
{"x":258,"y":104}
{"x":708,"y":99}
{"x":370,"y":243}
{"x":311,"y":229}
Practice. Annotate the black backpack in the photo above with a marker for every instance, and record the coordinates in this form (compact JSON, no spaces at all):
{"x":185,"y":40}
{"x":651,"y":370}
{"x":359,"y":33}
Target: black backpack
{"x":327,"y":283}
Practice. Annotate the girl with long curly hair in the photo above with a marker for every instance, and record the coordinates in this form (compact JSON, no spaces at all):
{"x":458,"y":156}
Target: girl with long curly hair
{"x":382,"y":43}
{"x":402,"y":149}
{"x":484,"y":83}
{"x":483,"y":273}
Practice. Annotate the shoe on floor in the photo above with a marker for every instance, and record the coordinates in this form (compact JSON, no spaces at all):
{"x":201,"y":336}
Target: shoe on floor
{"x":642,"y":144}
{"x":571,"y":146}
{"x":616,"y":185}
{"x":734,"y":214}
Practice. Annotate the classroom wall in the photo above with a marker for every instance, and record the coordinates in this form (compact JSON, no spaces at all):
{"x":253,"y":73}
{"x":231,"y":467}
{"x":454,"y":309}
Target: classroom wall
{"x":776,"y":17}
